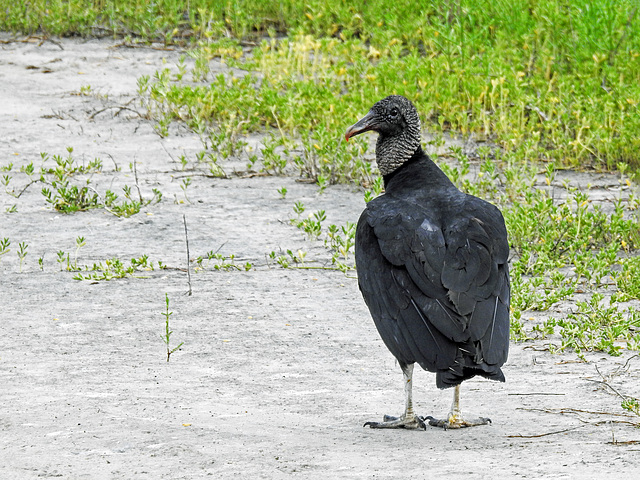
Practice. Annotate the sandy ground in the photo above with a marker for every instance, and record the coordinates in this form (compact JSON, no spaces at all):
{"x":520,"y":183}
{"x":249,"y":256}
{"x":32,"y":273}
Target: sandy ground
{"x":280,"y":368}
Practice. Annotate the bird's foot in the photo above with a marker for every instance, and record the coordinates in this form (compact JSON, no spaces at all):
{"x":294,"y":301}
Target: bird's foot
{"x":412,"y":422}
{"x":456,"y":421}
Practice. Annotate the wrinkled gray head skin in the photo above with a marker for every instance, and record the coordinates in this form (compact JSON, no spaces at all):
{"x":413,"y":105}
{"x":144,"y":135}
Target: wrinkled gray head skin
{"x":397,"y":122}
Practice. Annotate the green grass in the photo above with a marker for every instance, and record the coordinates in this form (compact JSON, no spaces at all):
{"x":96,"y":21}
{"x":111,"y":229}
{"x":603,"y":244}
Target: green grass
{"x":555,"y":80}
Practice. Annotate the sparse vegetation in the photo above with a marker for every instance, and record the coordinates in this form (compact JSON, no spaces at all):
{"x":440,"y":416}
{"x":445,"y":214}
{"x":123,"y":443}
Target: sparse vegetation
{"x":546,"y":85}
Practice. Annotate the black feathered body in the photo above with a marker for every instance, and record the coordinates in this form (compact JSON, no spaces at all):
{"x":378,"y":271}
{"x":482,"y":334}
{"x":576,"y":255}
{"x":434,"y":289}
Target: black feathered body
{"x":432,"y":267}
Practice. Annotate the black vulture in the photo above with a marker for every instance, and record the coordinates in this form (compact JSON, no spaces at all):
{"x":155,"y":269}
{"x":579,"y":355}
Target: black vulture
{"x":432,"y":267}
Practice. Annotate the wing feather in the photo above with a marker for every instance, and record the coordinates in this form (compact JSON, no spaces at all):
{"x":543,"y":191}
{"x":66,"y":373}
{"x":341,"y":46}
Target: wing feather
{"x":437,"y":289}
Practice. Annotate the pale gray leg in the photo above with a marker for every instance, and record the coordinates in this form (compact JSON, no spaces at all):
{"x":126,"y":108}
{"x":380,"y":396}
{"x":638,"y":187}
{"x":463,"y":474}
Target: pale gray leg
{"x":409,"y":419}
{"x":455,"y":419}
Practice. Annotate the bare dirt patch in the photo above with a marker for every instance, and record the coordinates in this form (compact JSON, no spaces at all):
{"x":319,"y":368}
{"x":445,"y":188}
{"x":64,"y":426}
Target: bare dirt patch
{"x":280,"y":368}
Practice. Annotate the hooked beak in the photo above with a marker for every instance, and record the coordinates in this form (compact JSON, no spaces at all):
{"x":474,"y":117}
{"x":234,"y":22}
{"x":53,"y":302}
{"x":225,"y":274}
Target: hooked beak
{"x":366,"y":123}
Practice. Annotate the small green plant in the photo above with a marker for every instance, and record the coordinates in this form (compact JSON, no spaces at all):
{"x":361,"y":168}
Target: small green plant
{"x":374,"y":191}
{"x":80,"y":242}
{"x":61,"y":259}
{"x":283,"y":192}
{"x":22,"y":252}
{"x":312,"y":225}
{"x":298,"y":208}
{"x":185,"y":184}
{"x":341,"y":242}
{"x":166,"y":338}
{"x":632,"y":405}
{"x":182,"y":68}
{"x":4,"y":247}
{"x":184,"y":162}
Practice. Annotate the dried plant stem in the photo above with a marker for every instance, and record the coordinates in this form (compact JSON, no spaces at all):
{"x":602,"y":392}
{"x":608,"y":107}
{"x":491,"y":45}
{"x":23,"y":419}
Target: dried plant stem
{"x":186,"y":238}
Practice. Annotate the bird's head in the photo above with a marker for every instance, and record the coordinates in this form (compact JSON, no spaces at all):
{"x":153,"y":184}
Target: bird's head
{"x":397,"y":122}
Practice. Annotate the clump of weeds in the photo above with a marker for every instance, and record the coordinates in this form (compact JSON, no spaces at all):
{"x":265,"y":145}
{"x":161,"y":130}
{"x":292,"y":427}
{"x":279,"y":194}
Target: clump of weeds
{"x":111,"y":268}
{"x":220,"y":262}
{"x":67,"y":186}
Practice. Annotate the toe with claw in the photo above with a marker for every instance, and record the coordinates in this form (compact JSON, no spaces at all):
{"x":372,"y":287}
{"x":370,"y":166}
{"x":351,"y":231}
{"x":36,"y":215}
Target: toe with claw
{"x":456,"y":421}
{"x":411,"y":422}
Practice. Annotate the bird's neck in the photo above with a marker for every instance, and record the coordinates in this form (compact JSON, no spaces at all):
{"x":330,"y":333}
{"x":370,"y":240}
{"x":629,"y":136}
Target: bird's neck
{"x":418,"y":170}
{"x":393,"y":151}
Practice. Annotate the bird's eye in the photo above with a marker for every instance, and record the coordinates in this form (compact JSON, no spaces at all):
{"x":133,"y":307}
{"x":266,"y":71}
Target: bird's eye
{"x":394,"y":112}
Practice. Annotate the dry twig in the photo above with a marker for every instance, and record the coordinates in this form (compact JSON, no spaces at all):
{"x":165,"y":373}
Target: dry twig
{"x":186,"y":237}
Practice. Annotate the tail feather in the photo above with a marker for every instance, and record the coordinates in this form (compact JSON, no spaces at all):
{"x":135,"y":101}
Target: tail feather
{"x":452,"y":377}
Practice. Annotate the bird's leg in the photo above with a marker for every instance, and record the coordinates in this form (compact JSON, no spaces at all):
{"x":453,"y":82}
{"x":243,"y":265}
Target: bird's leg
{"x":455,"y":419}
{"x":409,"y":419}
